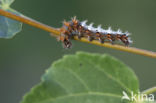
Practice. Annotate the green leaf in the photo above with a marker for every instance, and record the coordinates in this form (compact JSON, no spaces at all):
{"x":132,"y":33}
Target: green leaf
{"x":8,"y":27}
{"x":84,"y":78}
{"x":150,"y":102}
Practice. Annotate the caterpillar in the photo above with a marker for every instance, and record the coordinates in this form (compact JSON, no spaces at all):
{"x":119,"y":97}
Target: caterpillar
{"x":81,"y":29}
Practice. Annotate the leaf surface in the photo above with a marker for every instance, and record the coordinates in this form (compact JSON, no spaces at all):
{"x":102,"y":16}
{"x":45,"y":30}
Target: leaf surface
{"x":8,"y":27}
{"x":84,"y":78}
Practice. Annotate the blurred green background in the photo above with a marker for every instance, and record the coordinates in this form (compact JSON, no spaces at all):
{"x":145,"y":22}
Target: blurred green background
{"x":24,"y":58}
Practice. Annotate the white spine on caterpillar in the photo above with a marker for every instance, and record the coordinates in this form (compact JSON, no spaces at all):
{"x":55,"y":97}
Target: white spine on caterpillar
{"x":129,"y":40}
{"x":90,"y":27}
{"x":127,"y":33}
{"x":99,"y":29}
{"x":109,"y":30}
{"x":119,"y":31}
{"x":83,"y":23}
{"x":105,"y":31}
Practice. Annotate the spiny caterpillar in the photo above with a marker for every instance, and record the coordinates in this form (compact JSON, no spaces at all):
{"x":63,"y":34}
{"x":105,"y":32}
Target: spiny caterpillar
{"x":81,"y":29}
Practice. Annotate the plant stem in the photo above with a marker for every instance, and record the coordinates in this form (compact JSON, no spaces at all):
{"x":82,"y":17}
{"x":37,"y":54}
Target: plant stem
{"x":56,"y":32}
{"x":29,"y":21}
{"x":150,"y":90}
{"x":121,"y":48}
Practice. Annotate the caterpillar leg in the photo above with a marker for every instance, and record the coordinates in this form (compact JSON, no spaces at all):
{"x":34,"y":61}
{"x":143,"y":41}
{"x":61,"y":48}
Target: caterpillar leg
{"x":65,"y":41}
{"x":113,"y":38}
{"x":79,"y":35}
{"x":113,"y":42}
{"x":99,"y":37}
{"x":126,"y":42}
{"x":109,"y":38}
{"x":101,"y":40}
{"x":90,"y":38}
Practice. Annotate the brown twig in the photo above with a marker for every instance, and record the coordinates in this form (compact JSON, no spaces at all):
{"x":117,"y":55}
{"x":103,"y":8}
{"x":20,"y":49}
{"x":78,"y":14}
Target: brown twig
{"x":56,"y":32}
{"x":150,"y":90}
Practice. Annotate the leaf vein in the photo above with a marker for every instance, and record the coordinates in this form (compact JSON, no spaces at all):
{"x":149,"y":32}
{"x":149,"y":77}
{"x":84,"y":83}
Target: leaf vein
{"x":112,"y":78}
{"x":81,"y":81}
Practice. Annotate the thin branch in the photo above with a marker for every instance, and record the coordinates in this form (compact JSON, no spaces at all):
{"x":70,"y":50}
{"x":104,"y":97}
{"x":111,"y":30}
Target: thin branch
{"x":29,"y":21}
{"x":150,"y":90}
{"x":56,"y":32}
